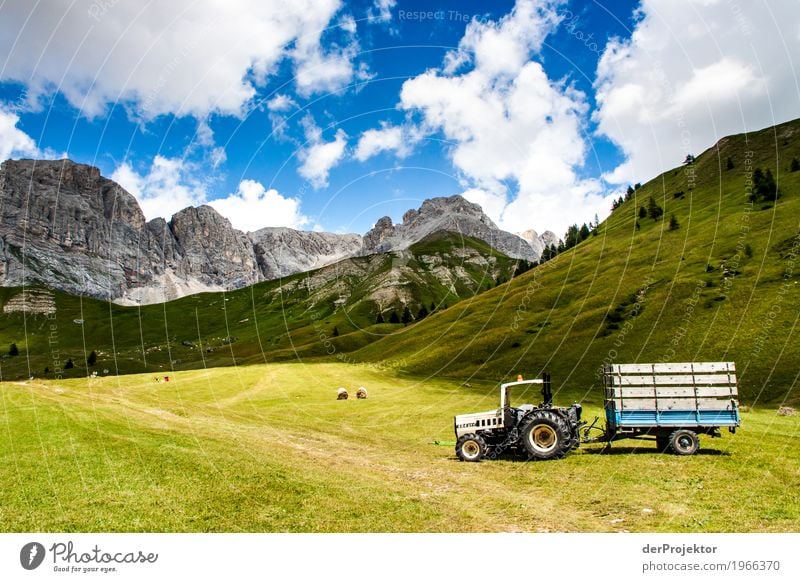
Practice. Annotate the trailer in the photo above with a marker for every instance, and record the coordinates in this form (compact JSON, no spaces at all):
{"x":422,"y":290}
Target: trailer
{"x":669,"y":403}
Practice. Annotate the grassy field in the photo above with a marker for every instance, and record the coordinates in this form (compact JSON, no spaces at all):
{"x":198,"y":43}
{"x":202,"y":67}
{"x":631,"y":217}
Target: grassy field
{"x":268,"y":448}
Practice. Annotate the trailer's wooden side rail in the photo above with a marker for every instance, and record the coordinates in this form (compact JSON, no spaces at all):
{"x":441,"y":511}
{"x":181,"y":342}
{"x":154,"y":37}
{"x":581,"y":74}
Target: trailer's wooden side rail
{"x":656,"y":393}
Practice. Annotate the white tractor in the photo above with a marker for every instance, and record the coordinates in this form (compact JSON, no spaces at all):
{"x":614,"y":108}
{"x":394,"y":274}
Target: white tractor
{"x":540,"y":432}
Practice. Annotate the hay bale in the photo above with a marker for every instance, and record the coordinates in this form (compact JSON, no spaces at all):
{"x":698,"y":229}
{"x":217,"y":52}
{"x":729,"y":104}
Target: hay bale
{"x":361,"y":393}
{"x":341,"y":394}
{"x":786,"y":411}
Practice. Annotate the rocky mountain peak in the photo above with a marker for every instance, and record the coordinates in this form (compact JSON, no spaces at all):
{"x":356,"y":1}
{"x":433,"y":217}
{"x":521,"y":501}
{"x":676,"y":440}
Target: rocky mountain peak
{"x":445,"y":214}
{"x":84,"y":234}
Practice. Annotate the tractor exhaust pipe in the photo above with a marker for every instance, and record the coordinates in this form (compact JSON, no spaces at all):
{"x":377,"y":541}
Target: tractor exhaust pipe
{"x":547,"y":392}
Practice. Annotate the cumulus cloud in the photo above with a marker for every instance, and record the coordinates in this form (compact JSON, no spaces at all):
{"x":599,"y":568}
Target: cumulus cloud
{"x":169,"y":185}
{"x":394,"y":138}
{"x":517,"y":135}
{"x":327,"y":70}
{"x":381,"y":10}
{"x":13,"y":141}
{"x":187,"y":57}
{"x":252,"y":206}
{"x":692,"y":73}
{"x":320,"y":156}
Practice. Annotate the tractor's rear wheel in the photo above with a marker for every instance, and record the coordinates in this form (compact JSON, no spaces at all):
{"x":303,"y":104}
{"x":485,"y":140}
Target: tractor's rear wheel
{"x":684,"y":442}
{"x":545,"y":435}
{"x":471,"y":448}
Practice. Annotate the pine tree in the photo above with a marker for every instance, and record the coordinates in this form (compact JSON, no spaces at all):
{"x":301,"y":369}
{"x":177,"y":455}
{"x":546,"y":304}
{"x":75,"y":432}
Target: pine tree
{"x":629,"y":193}
{"x":406,"y":317}
{"x":393,"y":318}
{"x":673,"y":222}
{"x":769,"y":189}
{"x":637,"y":185}
{"x":584,"y":232}
{"x":638,"y":226}
{"x":654,"y":211}
{"x":13,"y":350}
{"x":92,"y":359}
{"x":642,"y":212}
{"x":69,"y":365}
{"x":379,"y":319}
{"x":729,"y":165}
{"x":433,"y":306}
{"x":422,"y":313}
{"x":689,"y":160}
{"x":795,"y":165}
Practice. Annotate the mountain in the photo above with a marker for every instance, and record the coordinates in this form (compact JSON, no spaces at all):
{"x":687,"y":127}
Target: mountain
{"x":284,"y":251}
{"x":719,"y":283}
{"x":449,"y":214}
{"x":331,"y":310}
{"x":65,"y":226}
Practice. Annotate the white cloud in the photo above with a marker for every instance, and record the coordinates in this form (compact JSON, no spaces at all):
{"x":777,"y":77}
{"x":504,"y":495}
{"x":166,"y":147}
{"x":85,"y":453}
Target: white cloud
{"x":13,"y":141}
{"x":281,"y":103}
{"x":320,"y":156}
{"x":253,"y":207}
{"x":326,"y":70}
{"x":381,"y":10}
{"x":188,"y":57}
{"x":517,"y":135}
{"x":692,"y":73}
{"x":169,"y":185}
{"x":388,"y":138}
{"x":348,"y":24}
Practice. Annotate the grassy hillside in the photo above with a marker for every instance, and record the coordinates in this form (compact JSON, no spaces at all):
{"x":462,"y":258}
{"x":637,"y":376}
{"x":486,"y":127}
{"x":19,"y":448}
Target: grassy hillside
{"x":268,"y":448}
{"x":722,"y":286}
{"x":288,"y":319}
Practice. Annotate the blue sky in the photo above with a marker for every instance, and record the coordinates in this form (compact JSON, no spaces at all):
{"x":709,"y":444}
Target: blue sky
{"x":336,"y":114}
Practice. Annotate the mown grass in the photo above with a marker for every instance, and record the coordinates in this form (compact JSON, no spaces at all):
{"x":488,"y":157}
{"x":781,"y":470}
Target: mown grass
{"x":268,"y":448}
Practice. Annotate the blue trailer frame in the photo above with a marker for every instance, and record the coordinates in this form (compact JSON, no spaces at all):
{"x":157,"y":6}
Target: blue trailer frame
{"x":671,"y":403}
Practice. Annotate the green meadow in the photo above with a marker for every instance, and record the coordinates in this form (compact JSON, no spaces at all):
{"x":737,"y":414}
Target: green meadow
{"x":269,"y":448}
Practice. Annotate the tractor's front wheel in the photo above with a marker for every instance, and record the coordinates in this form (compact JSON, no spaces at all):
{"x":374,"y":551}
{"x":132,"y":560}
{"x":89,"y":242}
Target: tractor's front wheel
{"x":545,"y":435}
{"x":471,"y":448}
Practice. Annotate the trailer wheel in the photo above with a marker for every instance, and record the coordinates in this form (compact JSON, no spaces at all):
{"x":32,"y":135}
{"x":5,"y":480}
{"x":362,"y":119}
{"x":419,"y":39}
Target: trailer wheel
{"x":471,"y":448}
{"x":545,"y":436}
{"x":684,"y":442}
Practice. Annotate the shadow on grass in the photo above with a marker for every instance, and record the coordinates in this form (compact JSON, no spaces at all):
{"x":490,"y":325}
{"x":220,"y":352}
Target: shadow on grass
{"x":647,"y":451}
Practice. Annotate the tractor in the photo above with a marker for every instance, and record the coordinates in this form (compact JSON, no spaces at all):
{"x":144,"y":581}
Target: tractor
{"x":537,"y":432}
